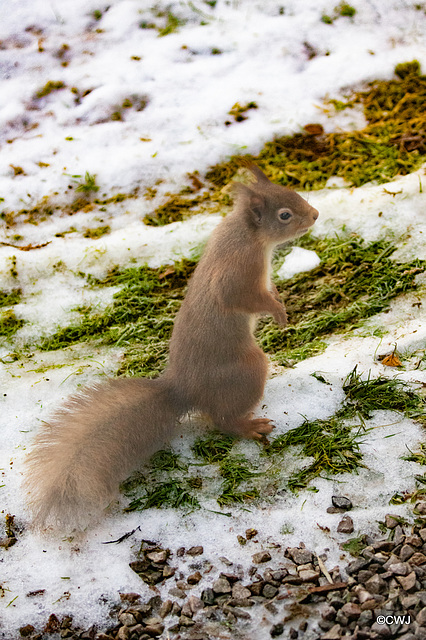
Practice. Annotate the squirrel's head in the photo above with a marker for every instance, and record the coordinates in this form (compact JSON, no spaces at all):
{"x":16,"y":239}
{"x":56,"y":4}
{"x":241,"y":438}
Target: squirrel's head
{"x":279,"y":213}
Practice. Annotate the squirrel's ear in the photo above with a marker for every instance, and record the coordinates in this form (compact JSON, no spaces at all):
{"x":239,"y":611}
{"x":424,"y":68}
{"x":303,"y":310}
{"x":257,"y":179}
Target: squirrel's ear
{"x":258,"y":173}
{"x":254,"y":170}
{"x":253,"y":202}
{"x":256,"y":208}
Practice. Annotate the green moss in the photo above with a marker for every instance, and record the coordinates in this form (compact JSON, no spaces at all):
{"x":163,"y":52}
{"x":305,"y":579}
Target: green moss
{"x":236,"y":471}
{"x":167,"y":460}
{"x":354,"y":546}
{"x":343,"y":10}
{"x":13,"y":270}
{"x":147,"y":25}
{"x":39,"y":213}
{"x":391,"y":144}
{"x":81,"y":203}
{"x":346,"y":10}
{"x":146,"y":359}
{"x":119,"y":197}
{"x":230,"y":496}
{"x":9,"y":323}
{"x":49,"y":87}
{"x":9,"y":298}
{"x":96,"y":232}
{"x":165,"y":485}
{"x":388,"y":146}
{"x":405,"y":69}
{"x":175,"y":209}
{"x":333,"y":445}
{"x":354,"y":281}
{"x":173,"y":23}
{"x":62,"y":234}
{"x":239,"y":111}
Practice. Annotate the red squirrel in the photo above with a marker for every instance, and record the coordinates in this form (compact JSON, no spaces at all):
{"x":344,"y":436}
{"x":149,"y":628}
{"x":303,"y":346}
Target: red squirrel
{"x":215,"y":366}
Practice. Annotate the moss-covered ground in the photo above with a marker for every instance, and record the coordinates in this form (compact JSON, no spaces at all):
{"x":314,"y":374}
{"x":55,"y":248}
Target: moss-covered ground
{"x":354,"y":281}
{"x":392,"y":143}
{"x":332,"y":446}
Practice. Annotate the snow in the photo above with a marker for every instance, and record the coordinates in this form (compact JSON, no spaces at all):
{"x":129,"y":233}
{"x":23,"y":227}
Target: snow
{"x":297,"y":261}
{"x":188,"y":92}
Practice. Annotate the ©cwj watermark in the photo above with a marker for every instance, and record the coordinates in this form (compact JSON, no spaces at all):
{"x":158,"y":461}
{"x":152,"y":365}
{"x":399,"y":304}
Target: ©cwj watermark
{"x":393,"y":619}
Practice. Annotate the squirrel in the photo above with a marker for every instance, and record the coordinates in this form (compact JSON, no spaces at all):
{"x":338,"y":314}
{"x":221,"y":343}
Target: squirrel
{"x":215,"y":366}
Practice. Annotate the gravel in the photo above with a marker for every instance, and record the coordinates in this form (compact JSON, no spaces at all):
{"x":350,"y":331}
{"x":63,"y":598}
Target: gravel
{"x":379,"y":594}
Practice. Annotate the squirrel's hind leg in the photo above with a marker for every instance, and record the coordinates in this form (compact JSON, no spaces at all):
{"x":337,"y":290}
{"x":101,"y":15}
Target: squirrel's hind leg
{"x":237,"y":400}
{"x":248,"y":427}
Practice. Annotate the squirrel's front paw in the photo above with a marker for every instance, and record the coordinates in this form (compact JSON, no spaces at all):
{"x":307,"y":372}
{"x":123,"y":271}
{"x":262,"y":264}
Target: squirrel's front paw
{"x":280,"y":317}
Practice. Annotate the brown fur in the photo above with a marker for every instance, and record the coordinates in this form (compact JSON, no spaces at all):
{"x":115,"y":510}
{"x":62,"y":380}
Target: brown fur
{"x":215,"y":366}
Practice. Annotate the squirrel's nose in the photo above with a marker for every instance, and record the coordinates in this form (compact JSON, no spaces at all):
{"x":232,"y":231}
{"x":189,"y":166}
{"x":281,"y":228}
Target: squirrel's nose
{"x":315,"y":213}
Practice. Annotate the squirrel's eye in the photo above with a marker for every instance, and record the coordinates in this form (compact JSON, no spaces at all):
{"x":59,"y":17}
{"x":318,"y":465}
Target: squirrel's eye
{"x":284,"y":214}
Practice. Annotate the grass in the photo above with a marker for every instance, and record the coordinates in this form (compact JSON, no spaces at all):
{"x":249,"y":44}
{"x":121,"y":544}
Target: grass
{"x":372,"y":394}
{"x":235,"y":470}
{"x":175,"y":209}
{"x":165,"y":486}
{"x":354,"y":281}
{"x":214,"y":448}
{"x":230,"y":496}
{"x":9,"y":298}
{"x":172,"y":494}
{"x":88,"y":185}
{"x":9,"y":323}
{"x":393,"y":143}
{"x":173,"y":23}
{"x":343,"y":10}
{"x":419,"y":456}
{"x":332,"y":446}
{"x":167,"y":460}
{"x":239,"y":112}
{"x":355,"y":546}
{"x":140,"y":319}
{"x":168,"y":484}
{"x":332,"y":443}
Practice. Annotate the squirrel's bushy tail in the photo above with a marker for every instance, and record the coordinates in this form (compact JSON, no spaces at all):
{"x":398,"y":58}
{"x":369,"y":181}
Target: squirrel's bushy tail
{"x":92,"y":443}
